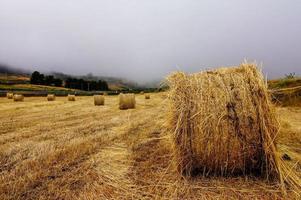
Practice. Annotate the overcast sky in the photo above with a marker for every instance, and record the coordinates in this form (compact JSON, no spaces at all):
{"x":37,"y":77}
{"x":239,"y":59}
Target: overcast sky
{"x":147,"y":39}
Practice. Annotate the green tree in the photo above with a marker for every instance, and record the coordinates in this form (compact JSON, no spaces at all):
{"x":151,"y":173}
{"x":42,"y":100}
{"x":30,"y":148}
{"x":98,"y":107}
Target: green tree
{"x":37,"y":78}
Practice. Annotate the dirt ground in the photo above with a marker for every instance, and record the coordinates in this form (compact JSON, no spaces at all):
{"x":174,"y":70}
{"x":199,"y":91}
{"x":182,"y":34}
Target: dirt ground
{"x":75,"y":150}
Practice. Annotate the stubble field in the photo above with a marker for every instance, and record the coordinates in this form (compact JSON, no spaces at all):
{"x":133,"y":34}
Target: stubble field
{"x":75,"y":150}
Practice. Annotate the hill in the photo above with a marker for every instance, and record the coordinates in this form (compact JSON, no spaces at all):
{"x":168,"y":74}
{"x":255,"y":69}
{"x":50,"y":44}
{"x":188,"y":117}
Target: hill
{"x":6,"y":69}
{"x":31,"y":87}
{"x":113,"y":82}
{"x":286,"y":91}
{"x":12,"y":77}
{"x":284,"y":83}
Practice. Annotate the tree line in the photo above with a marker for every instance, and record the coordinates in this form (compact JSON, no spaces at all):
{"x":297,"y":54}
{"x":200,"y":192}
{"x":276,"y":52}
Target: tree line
{"x":40,"y":79}
{"x":73,"y":83}
{"x":82,"y":84}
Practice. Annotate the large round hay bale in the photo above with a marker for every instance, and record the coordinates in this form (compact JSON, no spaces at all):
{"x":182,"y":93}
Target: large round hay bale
{"x":18,"y":97}
{"x":127,"y":101}
{"x":147,"y":96}
{"x":223,"y":123}
{"x":99,"y":100}
{"x":9,"y":95}
{"x":71,"y":97}
{"x":51,"y":97}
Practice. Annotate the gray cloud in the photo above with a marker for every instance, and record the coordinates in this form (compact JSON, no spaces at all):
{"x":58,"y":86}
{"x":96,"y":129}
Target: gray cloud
{"x":145,"y":40}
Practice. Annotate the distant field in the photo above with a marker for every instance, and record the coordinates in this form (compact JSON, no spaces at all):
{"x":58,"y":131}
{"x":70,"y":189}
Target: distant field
{"x":25,"y":86}
{"x":19,"y":82}
{"x":75,"y":150}
{"x":286,"y":91}
{"x":14,"y":79}
{"x":30,"y":87}
{"x":38,"y":90}
{"x":284,"y":83}
{"x":4,"y":77}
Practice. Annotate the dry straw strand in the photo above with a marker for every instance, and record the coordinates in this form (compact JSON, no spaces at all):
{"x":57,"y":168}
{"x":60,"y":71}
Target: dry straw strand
{"x":18,"y":97}
{"x":51,"y":97}
{"x":127,"y":101}
{"x":224,"y":124}
{"x":99,"y":100}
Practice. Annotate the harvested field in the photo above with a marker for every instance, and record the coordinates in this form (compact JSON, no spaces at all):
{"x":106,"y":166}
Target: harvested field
{"x":74,"y":150}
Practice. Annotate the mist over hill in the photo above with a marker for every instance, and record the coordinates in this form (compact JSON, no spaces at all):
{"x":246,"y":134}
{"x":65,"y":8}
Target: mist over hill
{"x":114,"y":82}
{"x":6,"y":69}
{"x":117,"y":82}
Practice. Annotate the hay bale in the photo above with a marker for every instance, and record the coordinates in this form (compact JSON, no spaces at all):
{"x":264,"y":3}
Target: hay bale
{"x":18,"y":97}
{"x":9,"y":95}
{"x":141,"y":92}
{"x":147,"y":96}
{"x":71,"y":97}
{"x":223,"y":123}
{"x":51,"y":97}
{"x":126,"y":101}
{"x":99,"y":100}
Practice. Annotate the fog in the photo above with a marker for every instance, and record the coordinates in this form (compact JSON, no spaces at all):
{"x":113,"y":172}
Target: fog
{"x":144,"y":40}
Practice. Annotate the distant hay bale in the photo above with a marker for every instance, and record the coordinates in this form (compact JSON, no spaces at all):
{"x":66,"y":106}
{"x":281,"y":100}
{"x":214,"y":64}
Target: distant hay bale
{"x":9,"y":95}
{"x":126,"y":101}
{"x":71,"y":97}
{"x":18,"y":97}
{"x":141,"y":92}
{"x":50,"y":97}
{"x":147,"y":96}
{"x":223,"y":123}
{"x":99,"y":100}
{"x":105,"y":94}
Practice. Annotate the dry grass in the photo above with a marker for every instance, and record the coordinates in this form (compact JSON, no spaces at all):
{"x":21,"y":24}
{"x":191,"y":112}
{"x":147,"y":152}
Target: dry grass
{"x":77,"y":152}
